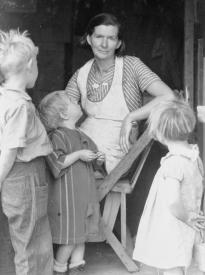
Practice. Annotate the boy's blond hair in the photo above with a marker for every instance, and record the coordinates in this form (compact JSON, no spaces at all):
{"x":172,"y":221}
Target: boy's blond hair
{"x":16,"y":49}
{"x":172,"y":120}
{"x":52,"y":108}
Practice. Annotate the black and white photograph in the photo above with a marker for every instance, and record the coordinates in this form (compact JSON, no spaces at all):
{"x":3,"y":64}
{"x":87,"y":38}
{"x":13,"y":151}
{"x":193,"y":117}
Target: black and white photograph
{"x":102,"y":137}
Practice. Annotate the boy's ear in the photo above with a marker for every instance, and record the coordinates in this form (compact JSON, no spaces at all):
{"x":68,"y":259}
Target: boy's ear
{"x":30,"y":63}
{"x":63,"y":115}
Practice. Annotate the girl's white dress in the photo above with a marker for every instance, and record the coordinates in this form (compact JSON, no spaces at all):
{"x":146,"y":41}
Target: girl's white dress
{"x":162,"y":240}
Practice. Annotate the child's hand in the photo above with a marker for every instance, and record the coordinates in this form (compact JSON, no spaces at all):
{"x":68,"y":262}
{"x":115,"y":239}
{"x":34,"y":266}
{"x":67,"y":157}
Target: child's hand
{"x":100,"y":158}
{"x":196,"y":221}
{"x":87,"y":155}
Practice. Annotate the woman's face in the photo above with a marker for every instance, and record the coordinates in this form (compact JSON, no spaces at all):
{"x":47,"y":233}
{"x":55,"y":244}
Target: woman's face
{"x":104,"y":41}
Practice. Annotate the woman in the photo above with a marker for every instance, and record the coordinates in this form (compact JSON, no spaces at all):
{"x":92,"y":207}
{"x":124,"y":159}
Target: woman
{"x":110,"y":88}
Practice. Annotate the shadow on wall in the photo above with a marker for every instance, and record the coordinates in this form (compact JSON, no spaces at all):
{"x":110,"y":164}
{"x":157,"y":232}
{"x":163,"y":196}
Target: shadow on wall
{"x":136,"y":200}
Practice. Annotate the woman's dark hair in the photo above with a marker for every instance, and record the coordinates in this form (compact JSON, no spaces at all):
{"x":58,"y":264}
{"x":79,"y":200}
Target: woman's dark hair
{"x":106,"y":19}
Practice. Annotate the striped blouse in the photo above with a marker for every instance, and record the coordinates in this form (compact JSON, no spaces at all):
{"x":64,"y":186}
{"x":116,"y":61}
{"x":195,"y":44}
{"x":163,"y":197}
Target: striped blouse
{"x":136,"y":78}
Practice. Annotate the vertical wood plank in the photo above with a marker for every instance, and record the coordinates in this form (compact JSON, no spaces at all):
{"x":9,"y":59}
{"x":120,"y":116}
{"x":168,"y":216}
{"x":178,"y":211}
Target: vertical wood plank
{"x":203,"y":103}
{"x":200,"y":100}
{"x":199,"y":73}
{"x":111,"y":208}
{"x":189,"y":49}
{"x":123,"y":220}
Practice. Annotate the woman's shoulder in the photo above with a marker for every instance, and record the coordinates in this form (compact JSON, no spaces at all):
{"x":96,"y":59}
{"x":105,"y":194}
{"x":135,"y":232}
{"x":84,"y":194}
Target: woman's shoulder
{"x":87,"y":63}
{"x":133,"y":63}
{"x":131,"y":59}
{"x":75,"y":75}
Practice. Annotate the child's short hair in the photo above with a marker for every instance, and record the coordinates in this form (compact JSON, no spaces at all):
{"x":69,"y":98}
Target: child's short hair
{"x":51,"y":109}
{"x":16,"y":49}
{"x":172,"y":120}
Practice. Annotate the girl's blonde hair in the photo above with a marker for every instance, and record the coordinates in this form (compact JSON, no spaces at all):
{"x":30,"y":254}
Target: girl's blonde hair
{"x":16,"y":49}
{"x":172,"y":121}
{"x":51,"y":109}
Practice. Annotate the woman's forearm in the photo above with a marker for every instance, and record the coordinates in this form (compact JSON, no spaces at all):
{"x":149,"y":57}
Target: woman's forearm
{"x":144,"y":111}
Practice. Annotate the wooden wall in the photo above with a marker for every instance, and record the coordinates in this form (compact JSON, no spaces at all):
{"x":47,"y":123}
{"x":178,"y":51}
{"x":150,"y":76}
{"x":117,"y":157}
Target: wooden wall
{"x":49,"y":24}
{"x":201,"y":19}
{"x":199,"y":76}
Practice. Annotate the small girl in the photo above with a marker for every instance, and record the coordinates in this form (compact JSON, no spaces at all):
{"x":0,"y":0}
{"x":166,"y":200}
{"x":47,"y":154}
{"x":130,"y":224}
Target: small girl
{"x":171,"y":215}
{"x":73,"y":204}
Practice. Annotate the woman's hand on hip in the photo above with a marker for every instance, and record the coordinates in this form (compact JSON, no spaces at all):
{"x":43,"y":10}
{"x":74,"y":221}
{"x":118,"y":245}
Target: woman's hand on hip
{"x":125,"y":133}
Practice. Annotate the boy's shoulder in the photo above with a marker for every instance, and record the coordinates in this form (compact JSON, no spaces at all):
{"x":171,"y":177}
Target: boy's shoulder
{"x":10,"y":103}
{"x":15,"y":96}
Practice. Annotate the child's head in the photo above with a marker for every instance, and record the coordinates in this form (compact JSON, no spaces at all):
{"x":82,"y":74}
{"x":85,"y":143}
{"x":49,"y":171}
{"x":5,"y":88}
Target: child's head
{"x":57,"y":107}
{"x":172,"y":121}
{"x":18,"y":54}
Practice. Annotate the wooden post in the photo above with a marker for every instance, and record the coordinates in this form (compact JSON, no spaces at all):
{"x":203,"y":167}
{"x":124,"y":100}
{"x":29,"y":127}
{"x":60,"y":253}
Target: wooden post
{"x":203,"y":103}
{"x":200,"y":99}
{"x":189,"y":49}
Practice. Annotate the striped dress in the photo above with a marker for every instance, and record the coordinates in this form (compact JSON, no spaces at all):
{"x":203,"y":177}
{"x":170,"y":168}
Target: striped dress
{"x":136,"y":79}
{"x":73,"y":207}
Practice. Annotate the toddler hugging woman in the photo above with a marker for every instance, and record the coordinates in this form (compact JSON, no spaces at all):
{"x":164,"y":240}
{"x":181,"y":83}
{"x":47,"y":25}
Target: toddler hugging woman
{"x":73,"y":204}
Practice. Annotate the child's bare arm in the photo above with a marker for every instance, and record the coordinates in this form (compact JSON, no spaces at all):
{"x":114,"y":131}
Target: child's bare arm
{"x":58,"y":162}
{"x":176,"y":206}
{"x":7,"y":159}
{"x":84,"y":155}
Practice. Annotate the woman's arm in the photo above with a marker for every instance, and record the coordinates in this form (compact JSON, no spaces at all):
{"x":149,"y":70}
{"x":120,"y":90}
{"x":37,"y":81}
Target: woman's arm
{"x":160,"y":91}
{"x":72,"y":88}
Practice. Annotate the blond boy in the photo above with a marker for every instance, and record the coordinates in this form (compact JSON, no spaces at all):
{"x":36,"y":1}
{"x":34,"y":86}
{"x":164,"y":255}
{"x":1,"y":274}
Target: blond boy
{"x":23,"y":145}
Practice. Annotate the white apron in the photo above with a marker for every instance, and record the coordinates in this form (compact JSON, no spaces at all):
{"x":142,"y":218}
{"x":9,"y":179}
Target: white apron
{"x":105,"y":118}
